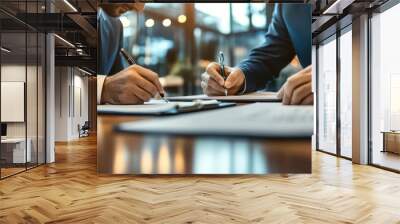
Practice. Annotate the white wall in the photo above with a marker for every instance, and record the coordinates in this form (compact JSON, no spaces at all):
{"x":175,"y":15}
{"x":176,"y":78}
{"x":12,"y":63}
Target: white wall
{"x":16,"y":73}
{"x":33,"y":127}
{"x":71,"y":103}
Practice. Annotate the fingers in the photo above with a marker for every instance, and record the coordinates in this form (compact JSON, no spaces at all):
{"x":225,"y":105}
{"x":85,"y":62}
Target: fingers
{"x":140,"y":93}
{"x":212,"y":88}
{"x":300,"y":93}
{"x":281,"y":91}
{"x":214,"y":84}
{"x":234,"y":79}
{"x":297,"y":87}
{"x":309,"y":100}
{"x":298,"y":96}
{"x":132,"y":85}
{"x":213,"y":70}
{"x":286,"y":97}
{"x":150,"y":76}
{"x":146,"y":85}
{"x":139,"y":86}
{"x":296,"y":80}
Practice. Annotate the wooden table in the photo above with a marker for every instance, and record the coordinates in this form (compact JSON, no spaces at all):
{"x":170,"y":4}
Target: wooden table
{"x":391,"y":141}
{"x":14,"y":151}
{"x":121,"y":153}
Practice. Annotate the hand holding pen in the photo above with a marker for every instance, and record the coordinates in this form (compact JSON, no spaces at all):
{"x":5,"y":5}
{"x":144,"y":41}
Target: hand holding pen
{"x":131,"y":61}
{"x":132,"y":85}
{"x":214,"y":82}
{"x":221,"y":60}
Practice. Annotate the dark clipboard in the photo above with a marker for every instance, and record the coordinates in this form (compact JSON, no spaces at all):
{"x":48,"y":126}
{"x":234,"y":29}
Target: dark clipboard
{"x":172,"y":108}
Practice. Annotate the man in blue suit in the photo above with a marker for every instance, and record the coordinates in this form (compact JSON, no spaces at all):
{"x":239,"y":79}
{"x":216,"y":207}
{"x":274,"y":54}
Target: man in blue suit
{"x":117,"y":82}
{"x":289,"y":34}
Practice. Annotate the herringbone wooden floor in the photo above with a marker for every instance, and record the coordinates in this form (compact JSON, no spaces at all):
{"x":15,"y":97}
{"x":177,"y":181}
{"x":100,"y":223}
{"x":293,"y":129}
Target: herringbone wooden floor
{"x":70,"y":191}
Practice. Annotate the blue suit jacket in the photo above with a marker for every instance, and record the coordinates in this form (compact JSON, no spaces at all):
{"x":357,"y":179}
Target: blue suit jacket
{"x":110,"y":32}
{"x":288,"y":34}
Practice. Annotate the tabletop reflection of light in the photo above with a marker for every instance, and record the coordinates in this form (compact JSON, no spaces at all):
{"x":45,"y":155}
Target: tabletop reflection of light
{"x":121,"y":157}
{"x":149,"y":23}
{"x":164,"y":160}
{"x":179,"y":157}
{"x":146,"y":163}
{"x":182,"y":19}
{"x":212,"y":156}
{"x":166,"y":22}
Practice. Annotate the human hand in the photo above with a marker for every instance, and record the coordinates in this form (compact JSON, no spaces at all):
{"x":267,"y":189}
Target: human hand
{"x":297,"y":90}
{"x":133,"y":85}
{"x":214,"y":85}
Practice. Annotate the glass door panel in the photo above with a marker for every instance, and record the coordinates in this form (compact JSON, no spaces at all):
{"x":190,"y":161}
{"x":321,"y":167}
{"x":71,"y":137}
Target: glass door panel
{"x":327,"y":96}
{"x":385,"y":89}
{"x":14,"y":153}
{"x":346,"y":94}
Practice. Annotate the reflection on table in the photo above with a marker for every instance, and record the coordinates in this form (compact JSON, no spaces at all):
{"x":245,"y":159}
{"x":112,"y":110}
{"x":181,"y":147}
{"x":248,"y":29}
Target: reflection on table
{"x":157,"y":154}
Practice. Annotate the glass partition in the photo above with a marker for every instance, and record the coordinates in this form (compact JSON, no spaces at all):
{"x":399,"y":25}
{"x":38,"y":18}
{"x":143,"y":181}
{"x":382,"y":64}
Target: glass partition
{"x":41,"y":97}
{"x":15,"y":149}
{"x":385,"y":89}
{"x":22,"y":89}
{"x":327,"y":96}
{"x":346,"y":93}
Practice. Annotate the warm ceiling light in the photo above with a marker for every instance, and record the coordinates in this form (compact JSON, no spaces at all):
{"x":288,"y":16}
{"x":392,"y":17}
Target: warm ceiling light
{"x":65,"y":41}
{"x":5,"y":50}
{"x":149,"y":23}
{"x":125,"y":21}
{"x":182,"y":19}
{"x":70,"y":5}
{"x":166,"y":22}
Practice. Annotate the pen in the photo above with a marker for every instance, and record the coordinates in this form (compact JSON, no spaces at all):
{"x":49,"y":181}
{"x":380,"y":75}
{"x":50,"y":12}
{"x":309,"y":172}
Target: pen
{"x":222,"y":68}
{"x":131,"y":61}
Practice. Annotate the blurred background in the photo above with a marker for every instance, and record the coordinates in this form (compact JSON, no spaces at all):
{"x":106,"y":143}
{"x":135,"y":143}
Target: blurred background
{"x":179,"y":40}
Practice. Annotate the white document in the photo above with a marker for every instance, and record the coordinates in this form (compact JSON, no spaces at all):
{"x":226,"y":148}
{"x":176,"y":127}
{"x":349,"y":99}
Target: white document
{"x":252,"y":120}
{"x":135,"y":109}
{"x":250,"y":97}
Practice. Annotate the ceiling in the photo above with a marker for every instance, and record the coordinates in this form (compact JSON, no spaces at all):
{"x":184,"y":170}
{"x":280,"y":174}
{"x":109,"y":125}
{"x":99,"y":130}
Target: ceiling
{"x":72,"y":20}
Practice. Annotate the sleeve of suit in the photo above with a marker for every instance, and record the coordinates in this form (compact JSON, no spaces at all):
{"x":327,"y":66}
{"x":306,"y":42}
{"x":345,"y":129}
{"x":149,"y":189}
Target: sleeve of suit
{"x":266,"y":61}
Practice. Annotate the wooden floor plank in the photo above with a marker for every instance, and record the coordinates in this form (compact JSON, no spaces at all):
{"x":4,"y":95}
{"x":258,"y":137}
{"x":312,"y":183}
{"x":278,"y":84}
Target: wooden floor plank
{"x":70,"y":191}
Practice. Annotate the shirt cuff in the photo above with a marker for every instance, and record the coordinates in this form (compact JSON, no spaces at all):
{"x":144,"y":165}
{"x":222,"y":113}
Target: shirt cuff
{"x":100,"y":83}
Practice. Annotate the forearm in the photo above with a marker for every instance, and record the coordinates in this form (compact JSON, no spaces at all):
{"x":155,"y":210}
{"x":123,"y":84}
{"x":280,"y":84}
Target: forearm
{"x":265,"y":62}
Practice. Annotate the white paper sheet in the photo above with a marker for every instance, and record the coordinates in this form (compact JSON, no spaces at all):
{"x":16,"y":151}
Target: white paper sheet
{"x":255,"y":120}
{"x":251,"y":97}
